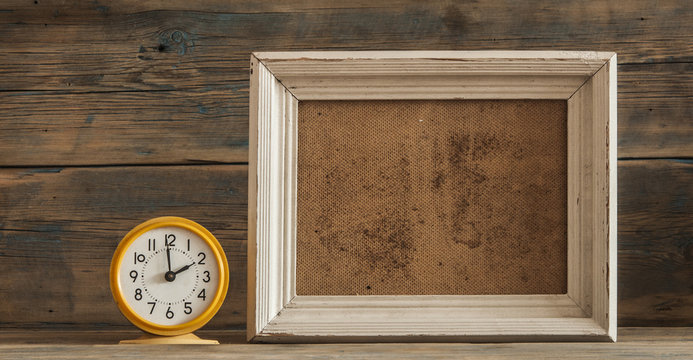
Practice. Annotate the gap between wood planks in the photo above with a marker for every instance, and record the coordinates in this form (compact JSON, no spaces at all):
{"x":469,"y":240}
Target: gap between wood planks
{"x":59,"y":167}
{"x":678,"y":158}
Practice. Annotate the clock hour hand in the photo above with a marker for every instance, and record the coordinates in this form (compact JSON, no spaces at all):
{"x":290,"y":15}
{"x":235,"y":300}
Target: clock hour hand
{"x":186,"y":267}
{"x":170,"y":275}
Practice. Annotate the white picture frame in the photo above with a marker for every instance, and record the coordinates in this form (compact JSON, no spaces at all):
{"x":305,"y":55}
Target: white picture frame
{"x":279,"y":80}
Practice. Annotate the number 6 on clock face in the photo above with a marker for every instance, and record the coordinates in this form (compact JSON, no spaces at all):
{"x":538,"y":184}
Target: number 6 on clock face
{"x":169,"y":276}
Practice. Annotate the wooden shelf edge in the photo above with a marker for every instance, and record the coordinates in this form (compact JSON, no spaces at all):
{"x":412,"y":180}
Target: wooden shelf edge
{"x":660,"y":343}
{"x":54,"y":336}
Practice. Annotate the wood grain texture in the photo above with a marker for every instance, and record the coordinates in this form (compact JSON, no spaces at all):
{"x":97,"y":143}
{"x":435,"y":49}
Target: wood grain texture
{"x":438,"y":318}
{"x":603,"y":193}
{"x":271,"y":227}
{"x":110,"y":336}
{"x":636,"y":343}
{"x":210,"y":123}
{"x":127,"y":46}
{"x":124,"y":127}
{"x":655,"y":110}
{"x":41,"y":233}
{"x":435,"y":75}
{"x":106,"y":335}
{"x":655,"y":242}
{"x":580,"y":196}
{"x":61,"y":59}
{"x":385,"y":317}
{"x":207,"y":29}
{"x":60,"y":228}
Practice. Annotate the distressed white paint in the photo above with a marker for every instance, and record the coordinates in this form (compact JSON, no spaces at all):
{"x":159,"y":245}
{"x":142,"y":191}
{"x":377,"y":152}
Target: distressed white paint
{"x":587,"y":80}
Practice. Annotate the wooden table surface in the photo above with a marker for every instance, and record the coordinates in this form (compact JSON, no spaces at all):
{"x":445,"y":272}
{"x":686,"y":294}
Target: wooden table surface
{"x":116,"y":111}
{"x":634,"y":343}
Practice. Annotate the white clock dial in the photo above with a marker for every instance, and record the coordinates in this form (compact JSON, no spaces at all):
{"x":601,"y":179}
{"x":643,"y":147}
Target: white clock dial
{"x":169,"y":276}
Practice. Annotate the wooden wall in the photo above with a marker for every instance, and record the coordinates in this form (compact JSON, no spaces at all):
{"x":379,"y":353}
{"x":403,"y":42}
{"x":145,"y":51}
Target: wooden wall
{"x":113,"y":112}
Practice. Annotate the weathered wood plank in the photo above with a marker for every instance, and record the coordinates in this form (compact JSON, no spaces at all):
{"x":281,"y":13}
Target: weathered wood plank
{"x":124,"y":128}
{"x":642,"y":343}
{"x":60,"y":227}
{"x":110,"y":335}
{"x":105,"y":335}
{"x":205,"y":46}
{"x":655,"y":110}
{"x":191,"y":61}
{"x":640,"y":31}
{"x":211,"y":124}
{"x":52,"y":222}
{"x":116,"y":45}
{"x":655,"y":242}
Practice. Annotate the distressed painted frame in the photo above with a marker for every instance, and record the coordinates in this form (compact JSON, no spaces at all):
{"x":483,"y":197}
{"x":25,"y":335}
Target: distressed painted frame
{"x":279,"y":80}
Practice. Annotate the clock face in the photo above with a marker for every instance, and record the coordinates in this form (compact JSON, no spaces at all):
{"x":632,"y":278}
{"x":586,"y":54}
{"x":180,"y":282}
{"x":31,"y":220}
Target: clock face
{"x":170,"y":277}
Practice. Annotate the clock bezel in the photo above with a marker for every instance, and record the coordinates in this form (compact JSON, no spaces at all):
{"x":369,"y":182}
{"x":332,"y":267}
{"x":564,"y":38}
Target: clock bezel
{"x":198,"y":321}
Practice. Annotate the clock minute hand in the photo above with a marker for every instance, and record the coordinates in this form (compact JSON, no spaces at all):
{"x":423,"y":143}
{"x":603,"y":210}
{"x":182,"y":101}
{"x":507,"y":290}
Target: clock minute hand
{"x":186,"y":267}
{"x":168,"y":256}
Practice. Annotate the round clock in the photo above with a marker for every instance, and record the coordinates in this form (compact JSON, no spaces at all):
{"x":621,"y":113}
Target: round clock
{"x":169,"y":276}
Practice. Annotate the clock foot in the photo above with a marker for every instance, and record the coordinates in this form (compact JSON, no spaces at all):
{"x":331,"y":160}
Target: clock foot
{"x":178,"y":339}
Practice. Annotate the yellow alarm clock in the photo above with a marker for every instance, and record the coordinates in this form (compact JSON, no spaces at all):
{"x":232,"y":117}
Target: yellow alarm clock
{"x":169,"y":276}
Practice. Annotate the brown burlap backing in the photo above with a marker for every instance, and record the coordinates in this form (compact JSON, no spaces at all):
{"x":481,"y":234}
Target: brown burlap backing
{"x":431,"y":197}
